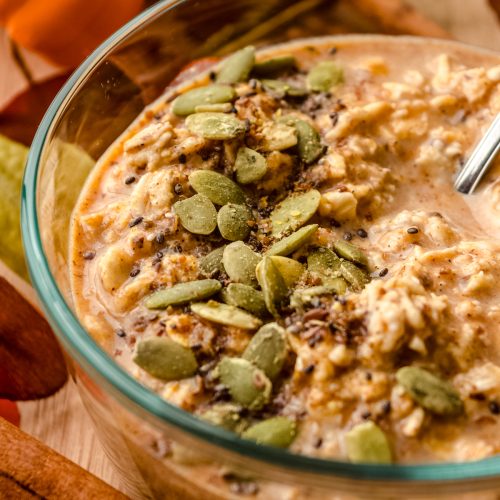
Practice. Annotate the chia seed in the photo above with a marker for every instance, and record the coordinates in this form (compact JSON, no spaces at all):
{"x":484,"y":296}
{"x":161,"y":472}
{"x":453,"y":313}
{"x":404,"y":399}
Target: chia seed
{"x":347,"y":236}
{"x":136,"y":221}
{"x":309,"y":369}
{"x":135,"y":272}
{"x":178,"y":189}
{"x":494,"y":408}
{"x":89,"y":255}
{"x":120,"y":332}
{"x":383,"y":272}
{"x":412,"y":230}
{"x":212,"y":75}
{"x":130,"y":180}
{"x":182,"y":158}
{"x":362,"y":233}
{"x":160,"y":238}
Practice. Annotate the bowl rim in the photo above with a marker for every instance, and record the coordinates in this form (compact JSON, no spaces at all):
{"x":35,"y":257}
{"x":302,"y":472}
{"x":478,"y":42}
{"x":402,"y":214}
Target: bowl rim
{"x":89,"y":354}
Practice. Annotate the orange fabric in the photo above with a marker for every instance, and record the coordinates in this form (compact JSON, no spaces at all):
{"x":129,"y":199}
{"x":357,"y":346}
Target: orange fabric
{"x":65,"y":31}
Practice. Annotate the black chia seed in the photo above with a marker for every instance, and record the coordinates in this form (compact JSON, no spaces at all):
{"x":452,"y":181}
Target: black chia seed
{"x":130,"y":180}
{"x":182,"y":158}
{"x":178,"y":189}
{"x":136,"y":221}
{"x":347,"y":236}
{"x":412,"y":230}
{"x":494,"y":408}
{"x":160,"y":238}
{"x":120,"y":332}
{"x":362,"y":233}
{"x":383,"y":272}
{"x":89,"y":255}
{"x":135,"y":271}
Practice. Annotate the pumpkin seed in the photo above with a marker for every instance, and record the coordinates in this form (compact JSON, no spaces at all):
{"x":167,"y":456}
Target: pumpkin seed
{"x":247,"y":384}
{"x":186,"y":103}
{"x":294,"y":211}
{"x":323,"y":261}
{"x":276,"y":431}
{"x":309,"y":144}
{"x":240,"y":262}
{"x":268,"y":349}
{"x":272,"y":283}
{"x":290,"y":269}
{"x":324,"y":76}
{"x":233,"y":220}
{"x":182,"y":293}
{"x":225,"y":314}
{"x":338,"y":286}
{"x":278,"y":136}
{"x":367,"y":443}
{"x":288,"y":245}
{"x":225,"y":415}
{"x":304,"y":296}
{"x":212,"y":262}
{"x":356,"y":277}
{"x":283,"y":89}
{"x":350,"y":252}
{"x":236,"y":68}
{"x":164,"y":358}
{"x":216,"y":126}
{"x":274,"y":66}
{"x":430,"y":391}
{"x":249,"y":166}
{"x":245,"y":297}
{"x":197,"y":214}
{"x":216,"y":187}
{"x":223,"y":107}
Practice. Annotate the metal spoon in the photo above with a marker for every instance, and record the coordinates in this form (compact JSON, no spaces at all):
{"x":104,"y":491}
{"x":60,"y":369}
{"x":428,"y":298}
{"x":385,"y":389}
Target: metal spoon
{"x":480,"y":159}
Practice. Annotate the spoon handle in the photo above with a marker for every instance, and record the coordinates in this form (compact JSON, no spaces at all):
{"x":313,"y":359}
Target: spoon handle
{"x":480,"y":159}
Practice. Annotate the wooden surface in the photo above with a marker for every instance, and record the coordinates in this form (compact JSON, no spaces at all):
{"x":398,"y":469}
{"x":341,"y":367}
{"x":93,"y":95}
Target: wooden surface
{"x":60,"y":420}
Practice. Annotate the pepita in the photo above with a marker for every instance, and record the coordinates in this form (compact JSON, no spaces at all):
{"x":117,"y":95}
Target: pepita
{"x":304,"y":296}
{"x":283,"y":89}
{"x":274,"y":66}
{"x":182,"y":293}
{"x":288,"y":245}
{"x":338,"y":286}
{"x":217,"y":187}
{"x":324,"y":76}
{"x":309,"y":144}
{"x":276,"y":431}
{"x":294,"y":211}
{"x":356,"y":277}
{"x":236,"y":68}
{"x":225,"y":415}
{"x":233,"y":220}
{"x":429,"y":391}
{"x":323,"y":262}
{"x":240,"y":262}
{"x":278,"y":136}
{"x":186,"y":103}
{"x":223,"y":107}
{"x":245,"y":297}
{"x":367,"y":443}
{"x":272,"y":284}
{"x":212,"y":262}
{"x":290,"y":269}
{"x":165,"y":359}
{"x":215,"y":126}
{"x":225,"y":314}
{"x":268,"y":349}
{"x":197,"y":214}
{"x":350,"y":252}
{"x":250,"y":166}
{"x":247,"y":384}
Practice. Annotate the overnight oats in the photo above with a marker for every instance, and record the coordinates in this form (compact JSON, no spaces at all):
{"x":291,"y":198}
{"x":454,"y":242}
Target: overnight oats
{"x":275,"y":246}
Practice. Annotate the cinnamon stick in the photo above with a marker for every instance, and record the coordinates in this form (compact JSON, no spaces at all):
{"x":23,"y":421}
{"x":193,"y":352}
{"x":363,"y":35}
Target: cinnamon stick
{"x":29,"y":469}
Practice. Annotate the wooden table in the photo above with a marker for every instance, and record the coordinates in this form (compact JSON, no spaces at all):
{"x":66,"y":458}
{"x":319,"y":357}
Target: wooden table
{"x":62,"y":423}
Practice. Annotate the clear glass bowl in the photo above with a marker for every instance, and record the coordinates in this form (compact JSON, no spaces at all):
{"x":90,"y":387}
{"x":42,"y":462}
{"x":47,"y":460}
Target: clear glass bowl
{"x":160,"y":449}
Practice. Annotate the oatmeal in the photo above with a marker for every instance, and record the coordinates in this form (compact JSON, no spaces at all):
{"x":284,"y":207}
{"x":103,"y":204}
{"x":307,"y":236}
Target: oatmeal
{"x":276,"y":247}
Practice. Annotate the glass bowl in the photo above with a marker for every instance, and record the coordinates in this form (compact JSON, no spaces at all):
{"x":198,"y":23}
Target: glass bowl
{"x":159,"y":449}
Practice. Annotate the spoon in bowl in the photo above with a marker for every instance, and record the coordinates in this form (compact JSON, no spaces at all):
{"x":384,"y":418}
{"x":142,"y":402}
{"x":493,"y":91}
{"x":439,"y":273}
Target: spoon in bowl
{"x":480,"y":159}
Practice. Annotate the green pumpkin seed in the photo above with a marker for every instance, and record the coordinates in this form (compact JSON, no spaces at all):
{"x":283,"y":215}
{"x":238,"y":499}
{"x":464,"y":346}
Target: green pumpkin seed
{"x":245,"y":297}
{"x":290,"y":269}
{"x":236,"y":68}
{"x":276,"y":431}
{"x":350,"y":252}
{"x":225,"y":415}
{"x":367,"y":443}
{"x":223,"y":107}
{"x":274,"y":66}
{"x":212,"y":262}
{"x":356,"y":277}
{"x":225,"y":314}
{"x":283,"y":89}
{"x":197,"y":214}
{"x":216,"y":187}
{"x":309,"y":144}
{"x":240,"y":262}
{"x":247,"y":384}
{"x":279,"y":136}
{"x":338,"y":286}
{"x":324,"y":76}
{"x":288,"y":245}
{"x":430,"y":391}
{"x":268,"y":349}
{"x":215,"y":126}
{"x":294,"y":211}
{"x":186,"y":103}
{"x":323,"y":262}
{"x":272,"y":283}
{"x":249,"y":166}
{"x":182,"y":293}
{"x":164,"y":358}
{"x":233,"y":220}
{"x":304,"y":296}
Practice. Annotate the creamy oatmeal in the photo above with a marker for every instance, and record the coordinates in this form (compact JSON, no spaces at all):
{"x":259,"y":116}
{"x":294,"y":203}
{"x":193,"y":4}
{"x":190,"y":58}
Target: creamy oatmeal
{"x":277,"y":248}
